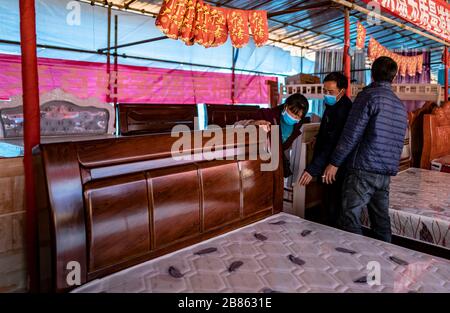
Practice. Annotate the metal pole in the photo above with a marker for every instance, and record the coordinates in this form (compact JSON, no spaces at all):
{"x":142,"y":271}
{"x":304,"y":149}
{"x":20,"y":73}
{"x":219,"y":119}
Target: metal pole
{"x":116,"y":71}
{"x":446,"y":73}
{"x":108,"y":57}
{"x":31,"y":113}
{"x":347,"y":59}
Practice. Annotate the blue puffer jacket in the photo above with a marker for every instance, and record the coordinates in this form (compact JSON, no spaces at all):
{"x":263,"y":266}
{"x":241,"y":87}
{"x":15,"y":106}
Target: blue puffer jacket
{"x":374,"y":133}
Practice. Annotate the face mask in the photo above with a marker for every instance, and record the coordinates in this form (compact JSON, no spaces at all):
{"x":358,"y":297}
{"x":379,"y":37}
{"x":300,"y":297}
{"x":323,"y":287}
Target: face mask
{"x":288,"y":119}
{"x":331,"y":100}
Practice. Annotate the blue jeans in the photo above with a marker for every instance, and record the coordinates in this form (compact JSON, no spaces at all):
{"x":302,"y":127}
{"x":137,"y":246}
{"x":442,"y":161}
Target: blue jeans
{"x":364,"y":189}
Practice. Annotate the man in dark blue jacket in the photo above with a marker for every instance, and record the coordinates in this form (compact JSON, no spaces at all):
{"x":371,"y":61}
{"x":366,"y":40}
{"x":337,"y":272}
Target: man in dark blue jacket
{"x":337,"y":108}
{"x":371,"y":144}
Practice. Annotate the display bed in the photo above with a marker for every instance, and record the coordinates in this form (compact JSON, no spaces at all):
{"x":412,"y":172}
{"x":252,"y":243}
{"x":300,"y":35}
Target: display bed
{"x":282,"y":253}
{"x":420,"y":206}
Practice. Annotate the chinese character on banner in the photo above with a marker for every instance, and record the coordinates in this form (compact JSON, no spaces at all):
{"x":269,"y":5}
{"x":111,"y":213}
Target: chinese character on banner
{"x":361,"y":37}
{"x":430,"y":15}
{"x":259,"y":27}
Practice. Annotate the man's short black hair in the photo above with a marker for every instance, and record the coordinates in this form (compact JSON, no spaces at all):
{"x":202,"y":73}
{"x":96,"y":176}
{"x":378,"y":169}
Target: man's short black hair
{"x":297,"y":103}
{"x":384,"y":69}
{"x":340,"y":79}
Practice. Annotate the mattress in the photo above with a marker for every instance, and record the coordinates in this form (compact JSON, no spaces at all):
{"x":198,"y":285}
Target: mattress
{"x":283,"y":253}
{"x":420,"y":206}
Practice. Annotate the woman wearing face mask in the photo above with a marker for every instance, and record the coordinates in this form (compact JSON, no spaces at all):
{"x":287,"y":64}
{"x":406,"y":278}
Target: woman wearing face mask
{"x":337,"y":108}
{"x":290,"y":117}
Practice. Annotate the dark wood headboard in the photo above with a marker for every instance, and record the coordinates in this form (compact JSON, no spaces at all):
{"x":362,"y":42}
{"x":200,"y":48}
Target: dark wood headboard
{"x":436,"y":135}
{"x":223,"y":115}
{"x":111,"y":204}
{"x":155,"y":118}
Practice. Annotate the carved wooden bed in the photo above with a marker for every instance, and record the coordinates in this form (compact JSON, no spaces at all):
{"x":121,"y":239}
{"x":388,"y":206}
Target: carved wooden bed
{"x":136,"y":220}
{"x":436,"y":135}
{"x":142,"y":118}
{"x":415,"y":120}
{"x":115,"y":203}
{"x":223,"y":115}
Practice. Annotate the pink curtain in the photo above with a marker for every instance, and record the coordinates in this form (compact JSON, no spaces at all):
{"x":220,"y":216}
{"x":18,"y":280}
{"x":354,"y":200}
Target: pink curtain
{"x":135,"y":84}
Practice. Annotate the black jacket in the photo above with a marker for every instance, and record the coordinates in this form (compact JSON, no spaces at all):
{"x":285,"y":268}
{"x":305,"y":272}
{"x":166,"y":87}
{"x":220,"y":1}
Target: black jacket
{"x":331,"y":127}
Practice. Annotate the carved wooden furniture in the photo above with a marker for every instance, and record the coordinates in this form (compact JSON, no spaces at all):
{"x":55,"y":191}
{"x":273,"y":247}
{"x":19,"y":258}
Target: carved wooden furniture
{"x":223,"y":115}
{"x":110,"y":204}
{"x":415,"y":120}
{"x":436,"y":135}
{"x":420,"y":92}
{"x":62,"y":114}
{"x":155,"y":118}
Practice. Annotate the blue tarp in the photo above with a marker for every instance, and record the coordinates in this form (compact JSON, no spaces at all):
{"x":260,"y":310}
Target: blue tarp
{"x":53,"y":22}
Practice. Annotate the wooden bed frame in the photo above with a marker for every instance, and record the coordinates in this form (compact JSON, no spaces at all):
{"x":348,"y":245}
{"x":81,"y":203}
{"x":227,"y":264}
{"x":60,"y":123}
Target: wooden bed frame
{"x":223,"y":115}
{"x":142,"y":118}
{"x":106,"y":205}
{"x":436,"y":135}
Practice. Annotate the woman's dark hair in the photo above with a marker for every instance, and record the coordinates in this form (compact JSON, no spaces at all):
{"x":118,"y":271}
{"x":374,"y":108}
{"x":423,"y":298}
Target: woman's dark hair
{"x":297,"y":103}
{"x":340,"y":79}
{"x":384,"y":69}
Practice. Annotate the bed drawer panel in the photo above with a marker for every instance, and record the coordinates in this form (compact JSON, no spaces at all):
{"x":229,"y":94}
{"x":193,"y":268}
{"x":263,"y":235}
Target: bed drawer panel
{"x":118,"y":220}
{"x":175,"y":198}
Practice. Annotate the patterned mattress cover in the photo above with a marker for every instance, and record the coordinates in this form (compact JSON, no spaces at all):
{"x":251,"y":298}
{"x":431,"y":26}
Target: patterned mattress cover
{"x":420,"y":206}
{"x":282,"y":253}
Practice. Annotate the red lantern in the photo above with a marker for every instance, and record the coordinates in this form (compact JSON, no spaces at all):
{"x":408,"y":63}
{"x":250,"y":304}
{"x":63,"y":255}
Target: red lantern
{"x":220,"y":29}
{"x":171,"y":16}
{"x":259,"y":27}
{"x":187,"y":28}
{"x":237,"y":21}
{"x":361,"y":37}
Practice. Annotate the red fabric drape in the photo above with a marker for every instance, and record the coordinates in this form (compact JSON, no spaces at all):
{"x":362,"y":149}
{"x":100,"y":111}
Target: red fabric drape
{"x":31,"y":130}
{"x":347,"y":59}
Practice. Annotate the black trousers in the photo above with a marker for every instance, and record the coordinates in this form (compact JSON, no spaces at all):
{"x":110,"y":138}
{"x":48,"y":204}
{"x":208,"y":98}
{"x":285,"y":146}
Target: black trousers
{"x":332,"y":200}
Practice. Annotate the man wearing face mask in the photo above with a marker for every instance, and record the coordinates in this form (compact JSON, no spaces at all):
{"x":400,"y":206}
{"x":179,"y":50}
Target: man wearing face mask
{"x":337,"y":108}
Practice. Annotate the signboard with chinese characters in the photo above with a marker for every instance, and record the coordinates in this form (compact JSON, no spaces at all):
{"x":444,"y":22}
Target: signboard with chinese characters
{"x":430,"y":15}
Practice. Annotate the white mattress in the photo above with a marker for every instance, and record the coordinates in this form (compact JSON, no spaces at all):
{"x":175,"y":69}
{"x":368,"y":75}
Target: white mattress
{"x":266,"y":266}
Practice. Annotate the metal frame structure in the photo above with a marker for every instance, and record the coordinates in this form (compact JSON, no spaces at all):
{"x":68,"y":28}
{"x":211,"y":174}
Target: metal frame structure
{"x":312,"y":33}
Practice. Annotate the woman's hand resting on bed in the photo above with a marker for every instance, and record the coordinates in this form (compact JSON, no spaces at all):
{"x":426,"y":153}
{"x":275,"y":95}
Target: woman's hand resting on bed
{"x":265,"y":125}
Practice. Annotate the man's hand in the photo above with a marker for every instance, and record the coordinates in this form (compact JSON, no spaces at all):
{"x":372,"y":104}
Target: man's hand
{"x":329,"y":176}
{"x":305,"y":179}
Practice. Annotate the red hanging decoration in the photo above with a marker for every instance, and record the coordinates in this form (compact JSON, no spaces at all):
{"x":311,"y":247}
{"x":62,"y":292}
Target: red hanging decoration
{"x":406,"y":64}
{"x":171,"y":17}
{"x":187,"y":28}
{"x":361,"y":36}
{"x":219,"y":16}
{"x":194,"y":21}
{"x":259,"y":27}
{"x":237,"y":22}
